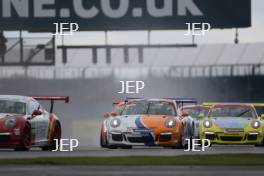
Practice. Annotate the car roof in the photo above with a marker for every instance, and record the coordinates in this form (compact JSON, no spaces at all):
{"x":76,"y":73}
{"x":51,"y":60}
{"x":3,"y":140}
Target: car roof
{"x":233,"y":104}
{"x":156,"y":99}
{"x":20,"y":98}
{"x":195,"y":107}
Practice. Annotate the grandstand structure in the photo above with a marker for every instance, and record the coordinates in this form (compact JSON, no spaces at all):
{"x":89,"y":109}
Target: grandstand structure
{"x":205,"y":60}
{"x":44,"y":58}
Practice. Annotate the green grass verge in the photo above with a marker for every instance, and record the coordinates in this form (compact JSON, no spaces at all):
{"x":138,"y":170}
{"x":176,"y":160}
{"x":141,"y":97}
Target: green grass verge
{"x":213,"y":160}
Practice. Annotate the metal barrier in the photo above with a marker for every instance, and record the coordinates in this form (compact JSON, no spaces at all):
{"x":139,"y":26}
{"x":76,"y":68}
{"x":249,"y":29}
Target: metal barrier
{"x":130,"y":72}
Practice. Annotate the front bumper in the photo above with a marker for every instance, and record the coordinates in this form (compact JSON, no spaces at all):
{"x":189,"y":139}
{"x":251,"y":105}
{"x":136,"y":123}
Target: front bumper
{"x":253,"y":137}
{"x":143,"y":139}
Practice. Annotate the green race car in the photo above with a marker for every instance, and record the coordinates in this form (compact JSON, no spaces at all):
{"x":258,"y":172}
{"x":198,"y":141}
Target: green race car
{"x":232,"y":123}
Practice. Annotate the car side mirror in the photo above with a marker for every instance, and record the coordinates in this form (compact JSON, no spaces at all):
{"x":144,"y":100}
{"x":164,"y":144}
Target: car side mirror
{"x":185,"y":114}
{"x":106,"y":115}
{"x":116,"y":101}
{"x":36,"y":113}
{"x":113,"y":113}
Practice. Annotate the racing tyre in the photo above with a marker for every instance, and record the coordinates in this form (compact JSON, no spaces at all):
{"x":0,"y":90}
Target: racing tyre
{"x":191,"y":137}
{"x":104,"y":142}
{"x":261,"y":144}
{"x":181,"y":142}
{"x":184,"y":146}
{"x":55,"y":135}
{"x":25,"y":141}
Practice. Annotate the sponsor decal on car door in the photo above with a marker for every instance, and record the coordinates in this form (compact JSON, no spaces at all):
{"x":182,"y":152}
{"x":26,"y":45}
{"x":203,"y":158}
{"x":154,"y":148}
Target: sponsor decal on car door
{"x":41,"y":124}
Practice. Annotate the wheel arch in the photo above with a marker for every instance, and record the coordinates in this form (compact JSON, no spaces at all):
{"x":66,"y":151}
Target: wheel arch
{"x":53,"y":121}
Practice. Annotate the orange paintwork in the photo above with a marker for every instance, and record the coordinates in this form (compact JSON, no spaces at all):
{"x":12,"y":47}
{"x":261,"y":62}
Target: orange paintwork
{"x":116,"y":101}
{"x":157,"y":124}
{"x":52,"y":122}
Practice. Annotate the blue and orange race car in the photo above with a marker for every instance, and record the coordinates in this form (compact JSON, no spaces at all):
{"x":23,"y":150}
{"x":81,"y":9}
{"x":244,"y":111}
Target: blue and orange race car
{"x":149,"y":122}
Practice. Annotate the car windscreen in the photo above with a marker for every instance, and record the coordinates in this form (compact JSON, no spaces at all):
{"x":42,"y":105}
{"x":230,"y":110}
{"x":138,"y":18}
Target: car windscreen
{"x":232,"y":111}
{"x":196,"y":112}
{"x":12,"y":107}
{"x":260,"y":110}
{"x":151,"y":108}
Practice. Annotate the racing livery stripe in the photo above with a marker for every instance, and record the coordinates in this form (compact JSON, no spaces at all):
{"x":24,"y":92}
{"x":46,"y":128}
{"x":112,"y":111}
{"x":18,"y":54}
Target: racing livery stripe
{"x":139,"y":124}
{"x":147,"y":136}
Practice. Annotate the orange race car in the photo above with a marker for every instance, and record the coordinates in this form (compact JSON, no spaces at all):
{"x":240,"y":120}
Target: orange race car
{"x":150,"y":122}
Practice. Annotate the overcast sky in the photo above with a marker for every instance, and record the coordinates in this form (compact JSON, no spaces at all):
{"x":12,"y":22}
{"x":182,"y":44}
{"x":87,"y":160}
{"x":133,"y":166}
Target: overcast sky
{"x":253,"y":34}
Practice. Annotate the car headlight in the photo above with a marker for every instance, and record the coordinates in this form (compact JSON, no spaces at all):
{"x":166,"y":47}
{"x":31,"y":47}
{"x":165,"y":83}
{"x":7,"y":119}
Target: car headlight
{"x":207,"y":124}
{"x":255,"y":124}
{"x":115,"y":123}
{"x":10,"y":123}
{"x":170,"y":123}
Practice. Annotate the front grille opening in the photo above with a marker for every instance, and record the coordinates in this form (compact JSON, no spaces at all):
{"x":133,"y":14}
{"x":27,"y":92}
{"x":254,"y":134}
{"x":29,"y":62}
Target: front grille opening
{"x":148,"y":139}
{"x":164,"y":138}
{"x":252,"y":137}
{"x":117,"y":137}
{"x":210,"y":136}
{"x":231,"y":138}
{"x":4,"y":138}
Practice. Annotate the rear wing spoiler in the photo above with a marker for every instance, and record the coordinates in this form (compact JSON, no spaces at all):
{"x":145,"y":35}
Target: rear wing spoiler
{"x":118,"y":101}
{"x":66,"y":99}
{"x":210,"y":103}
{"x":181,"y":101}
{"x":131,"y":98}
{"x":178,"y":100}
{"x":184,"y":100}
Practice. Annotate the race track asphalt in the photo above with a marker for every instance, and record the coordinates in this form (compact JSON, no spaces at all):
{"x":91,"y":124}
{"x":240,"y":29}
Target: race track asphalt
{"x":143,"y":151}
{"x":129,"y":171}
{"x":57,"y":170}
